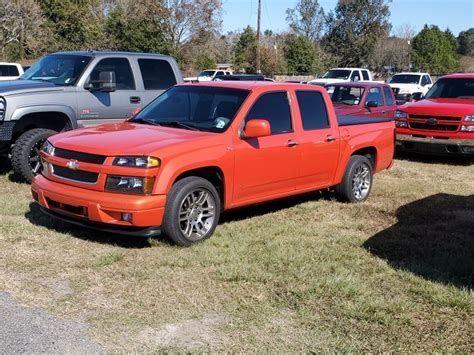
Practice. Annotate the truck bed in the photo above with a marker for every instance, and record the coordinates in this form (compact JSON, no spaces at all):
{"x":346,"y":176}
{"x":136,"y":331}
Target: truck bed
{"x":356,"y":120}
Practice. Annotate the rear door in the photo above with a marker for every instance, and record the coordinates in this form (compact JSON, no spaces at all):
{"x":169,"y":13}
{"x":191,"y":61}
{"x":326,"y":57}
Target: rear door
{"x":319,"y":140}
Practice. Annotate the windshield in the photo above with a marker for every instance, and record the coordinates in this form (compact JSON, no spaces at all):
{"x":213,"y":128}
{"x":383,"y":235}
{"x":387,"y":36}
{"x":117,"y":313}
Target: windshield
{"x":452,"y":88}
{"x":347,"y":95}
{"x":207,"y":73}
{"x":210,"y":109}
{"x":337,"y":74}
{"x":405,"y":79}
{"x":57,"y":69}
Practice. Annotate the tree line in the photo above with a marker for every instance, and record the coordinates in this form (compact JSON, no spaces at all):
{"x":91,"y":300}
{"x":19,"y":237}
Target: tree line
{"x":354,"y":33}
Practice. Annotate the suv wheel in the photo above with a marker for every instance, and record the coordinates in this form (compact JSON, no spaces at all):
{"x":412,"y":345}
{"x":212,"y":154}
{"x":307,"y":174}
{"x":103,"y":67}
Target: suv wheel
{"x":26,"y":162}
{"x":192,"y":211}
{"x":357,"y":181}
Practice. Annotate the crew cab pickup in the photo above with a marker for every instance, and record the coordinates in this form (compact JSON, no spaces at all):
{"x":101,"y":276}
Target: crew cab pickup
{"x":199,"y":149}
{"x":363,"y":99}
{"x":343,"y":75}
{"x":443,"y":122}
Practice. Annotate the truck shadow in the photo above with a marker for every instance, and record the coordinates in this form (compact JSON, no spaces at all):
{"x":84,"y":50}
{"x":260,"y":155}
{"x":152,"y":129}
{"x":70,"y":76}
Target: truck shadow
{"x":432,"y":159}
{"x":433,"y":238}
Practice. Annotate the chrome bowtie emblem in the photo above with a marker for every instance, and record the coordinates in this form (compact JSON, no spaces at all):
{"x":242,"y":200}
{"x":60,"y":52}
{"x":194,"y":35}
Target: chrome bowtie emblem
{"x":72,"y":164}
{"x":432,"y":121}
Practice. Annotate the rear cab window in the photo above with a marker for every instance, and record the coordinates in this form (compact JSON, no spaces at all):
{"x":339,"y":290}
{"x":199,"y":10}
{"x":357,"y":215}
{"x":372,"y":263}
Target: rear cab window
{"x":275,"y":108}
{"x":313,"y":110}
{"x":157,"y":74}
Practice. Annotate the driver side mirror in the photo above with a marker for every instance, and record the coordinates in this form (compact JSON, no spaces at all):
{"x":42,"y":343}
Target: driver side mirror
{"x":256,"y":128}
{"x":371,"y":104}
{"x":417,"y":96}
{"x":106,"y":82}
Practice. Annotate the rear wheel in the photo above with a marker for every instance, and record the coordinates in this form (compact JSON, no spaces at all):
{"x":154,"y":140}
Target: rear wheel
{"x":192,"y":211}
{"x":26,"y":161}
{"x":357,"y":181}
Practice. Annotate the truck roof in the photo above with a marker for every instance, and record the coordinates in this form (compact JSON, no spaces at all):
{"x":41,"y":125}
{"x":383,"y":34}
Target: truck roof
{"x":250,"y":85}
{"x":112,"y":54}
{"x":459,"y":76}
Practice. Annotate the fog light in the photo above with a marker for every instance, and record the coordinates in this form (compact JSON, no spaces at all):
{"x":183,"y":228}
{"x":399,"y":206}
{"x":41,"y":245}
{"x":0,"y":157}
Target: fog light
{"x":127,"y":217}
{"x":401,"y":124}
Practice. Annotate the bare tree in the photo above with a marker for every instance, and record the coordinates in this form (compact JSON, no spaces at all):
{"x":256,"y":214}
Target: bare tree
{"x":306,"y":19}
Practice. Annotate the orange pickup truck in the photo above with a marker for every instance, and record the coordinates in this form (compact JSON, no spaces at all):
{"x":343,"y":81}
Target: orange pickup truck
{"x":199,"y":149}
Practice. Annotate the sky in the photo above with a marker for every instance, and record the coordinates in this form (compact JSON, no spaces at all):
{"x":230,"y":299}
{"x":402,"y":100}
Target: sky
{"x":457,"y":15}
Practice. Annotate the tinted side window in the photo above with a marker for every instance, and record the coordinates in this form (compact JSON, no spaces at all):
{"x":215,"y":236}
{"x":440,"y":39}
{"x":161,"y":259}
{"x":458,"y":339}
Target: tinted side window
{"x":313,"y":110}
{"x":275,"y":108}
{"x":365,"y":74}
{"x":425,"y":80}
{"x":355,"y":74}
{"x":375,"y":95}
{"x":388,"y":95}
{"x":9,"y":70}
{"x":121,"y":68}
{"x":157,"y":74}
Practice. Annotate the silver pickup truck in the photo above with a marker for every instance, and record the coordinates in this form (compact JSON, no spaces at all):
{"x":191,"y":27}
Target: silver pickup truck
{"x":68,"y":90}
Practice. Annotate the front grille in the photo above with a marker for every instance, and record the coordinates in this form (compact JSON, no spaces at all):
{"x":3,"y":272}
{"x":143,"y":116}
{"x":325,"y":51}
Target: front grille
{"x":84,"y":157}
{"x":430,"y":127}
{"x":439,"y":118}
{"x":75,"y":175}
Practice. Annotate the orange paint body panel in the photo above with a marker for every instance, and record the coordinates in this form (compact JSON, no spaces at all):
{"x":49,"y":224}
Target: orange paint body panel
{"x":252,"y":169}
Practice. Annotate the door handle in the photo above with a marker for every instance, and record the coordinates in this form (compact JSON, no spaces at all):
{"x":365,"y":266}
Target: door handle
{"x":135,"y":99}
{"x":292,"y":143}
{"x":330,"y":138}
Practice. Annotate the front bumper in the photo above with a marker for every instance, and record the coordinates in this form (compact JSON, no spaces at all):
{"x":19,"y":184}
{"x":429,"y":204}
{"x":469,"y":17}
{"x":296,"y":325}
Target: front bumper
{"x":100,"y":210}
{"x":435,"y":146}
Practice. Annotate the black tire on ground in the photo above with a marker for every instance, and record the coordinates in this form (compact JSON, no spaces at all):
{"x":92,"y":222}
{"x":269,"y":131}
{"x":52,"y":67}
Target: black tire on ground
{"x":192,"y":211}
{"x":25,"y":153}
{"x":357,"y":181}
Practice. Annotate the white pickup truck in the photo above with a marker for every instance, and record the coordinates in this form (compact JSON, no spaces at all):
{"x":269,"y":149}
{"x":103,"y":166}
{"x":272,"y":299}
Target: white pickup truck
{"x":340,"y":75}
{"x":404,"y":85}
{"x":207,"y":75}
{"x":10,"y":71}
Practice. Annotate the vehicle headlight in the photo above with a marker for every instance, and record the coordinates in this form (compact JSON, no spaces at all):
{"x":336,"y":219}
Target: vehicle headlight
{"x":400,"y":114}
{"x":469,"y":118}
{"x":130,"y":184}
{"x":137,"y":162}
{"x":3,"y":108}
{"x":466,"y":128}
{"x":48,"y":148}
{"x":401,"y":124}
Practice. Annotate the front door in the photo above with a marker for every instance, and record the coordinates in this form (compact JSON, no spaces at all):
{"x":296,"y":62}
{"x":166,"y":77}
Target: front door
{"x":96,"y":107}
{"x":375,"y":94}
{"x":266,"y":166}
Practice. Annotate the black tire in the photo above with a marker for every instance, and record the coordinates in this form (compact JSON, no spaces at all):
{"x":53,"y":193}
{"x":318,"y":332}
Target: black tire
{"x":26,"y":151}
{"x":353,"y":188}
{"x":179,"y":207}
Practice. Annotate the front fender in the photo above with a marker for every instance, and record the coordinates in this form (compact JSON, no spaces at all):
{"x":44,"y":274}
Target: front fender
{"x":66,"y":110}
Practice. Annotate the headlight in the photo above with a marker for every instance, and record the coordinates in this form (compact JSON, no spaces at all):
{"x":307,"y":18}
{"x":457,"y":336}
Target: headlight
{"x":467,"y":128}
{"x":401,"y":124}
{"x":48,"y":148}
{"x":3,"y":108}
{"x":137,"y":162}
{"x":469,"y":118}
{"x":400,"y":114}
{"x":130,"y":184}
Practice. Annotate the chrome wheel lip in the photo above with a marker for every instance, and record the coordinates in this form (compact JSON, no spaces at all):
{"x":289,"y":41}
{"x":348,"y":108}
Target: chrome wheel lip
{"x":361,"y":182}
{"x":197,"y":213}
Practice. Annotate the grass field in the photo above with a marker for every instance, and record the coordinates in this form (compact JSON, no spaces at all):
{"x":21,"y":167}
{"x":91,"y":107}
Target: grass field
{"x":306,"y":274}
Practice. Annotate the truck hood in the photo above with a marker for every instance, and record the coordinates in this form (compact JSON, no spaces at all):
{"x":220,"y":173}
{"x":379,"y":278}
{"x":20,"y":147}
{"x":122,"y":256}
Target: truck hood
{"x":406,"y":88}
{"x":125,"y":139}
{"x":25,"y":86}
{"x":440,"y":107}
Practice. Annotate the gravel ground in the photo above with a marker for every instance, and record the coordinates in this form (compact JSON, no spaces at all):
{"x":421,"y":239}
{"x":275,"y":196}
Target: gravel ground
{"x":30,"y":330}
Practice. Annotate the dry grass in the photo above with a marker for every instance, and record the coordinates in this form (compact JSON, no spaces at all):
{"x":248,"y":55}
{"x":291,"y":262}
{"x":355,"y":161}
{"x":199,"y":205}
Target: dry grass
{"x":312,"y":274}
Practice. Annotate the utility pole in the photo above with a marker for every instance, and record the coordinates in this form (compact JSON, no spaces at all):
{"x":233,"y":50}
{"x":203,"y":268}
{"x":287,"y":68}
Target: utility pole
{"x":258,"y":36}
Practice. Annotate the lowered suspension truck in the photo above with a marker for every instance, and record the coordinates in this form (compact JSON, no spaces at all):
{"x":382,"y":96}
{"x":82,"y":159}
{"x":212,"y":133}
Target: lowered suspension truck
{"x":200,"y":149}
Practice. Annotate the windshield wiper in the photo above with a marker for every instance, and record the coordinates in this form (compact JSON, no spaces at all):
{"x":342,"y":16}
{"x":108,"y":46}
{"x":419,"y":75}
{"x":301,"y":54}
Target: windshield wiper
{"x":180,"y":124}
{"x":144,"y":120}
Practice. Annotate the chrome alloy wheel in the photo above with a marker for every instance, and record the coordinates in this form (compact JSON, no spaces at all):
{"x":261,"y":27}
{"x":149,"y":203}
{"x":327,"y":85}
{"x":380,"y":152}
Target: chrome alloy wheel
{"x":34,"y":159}
{"x":361,"y":182}
{"x":196,"y":214}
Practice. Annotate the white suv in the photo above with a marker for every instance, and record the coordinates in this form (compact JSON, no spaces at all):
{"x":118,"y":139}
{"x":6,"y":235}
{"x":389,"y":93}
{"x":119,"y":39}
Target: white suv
{"x":340,"y":75}
{"x":404,"y":85}
{"x":10,"y":71}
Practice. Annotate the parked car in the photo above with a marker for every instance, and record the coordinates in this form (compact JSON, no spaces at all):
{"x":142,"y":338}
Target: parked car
{"x":208,"y":75}
{"x":10,"y":71}
{"x":443,"y":122}
{"x":68,"y":90}
{"x":341,"y":75}
{"x":404,"y":85}
{"x":199,"y":149}
{"x":363,"y":99}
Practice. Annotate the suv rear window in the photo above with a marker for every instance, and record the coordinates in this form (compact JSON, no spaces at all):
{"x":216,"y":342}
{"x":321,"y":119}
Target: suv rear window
{"x":157,"y":74}
{"x":9,"y":70}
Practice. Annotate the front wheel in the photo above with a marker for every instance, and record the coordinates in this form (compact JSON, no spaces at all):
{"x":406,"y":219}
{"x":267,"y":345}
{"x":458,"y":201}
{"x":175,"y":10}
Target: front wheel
{"x":192,"y":211}
{"x":26,"y":162}
{"x":357,"y":181}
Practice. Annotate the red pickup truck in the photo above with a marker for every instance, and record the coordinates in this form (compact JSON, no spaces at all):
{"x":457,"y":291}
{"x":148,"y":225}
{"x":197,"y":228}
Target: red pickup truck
{"x":199,"y":149}
{"x":443,"y":122}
